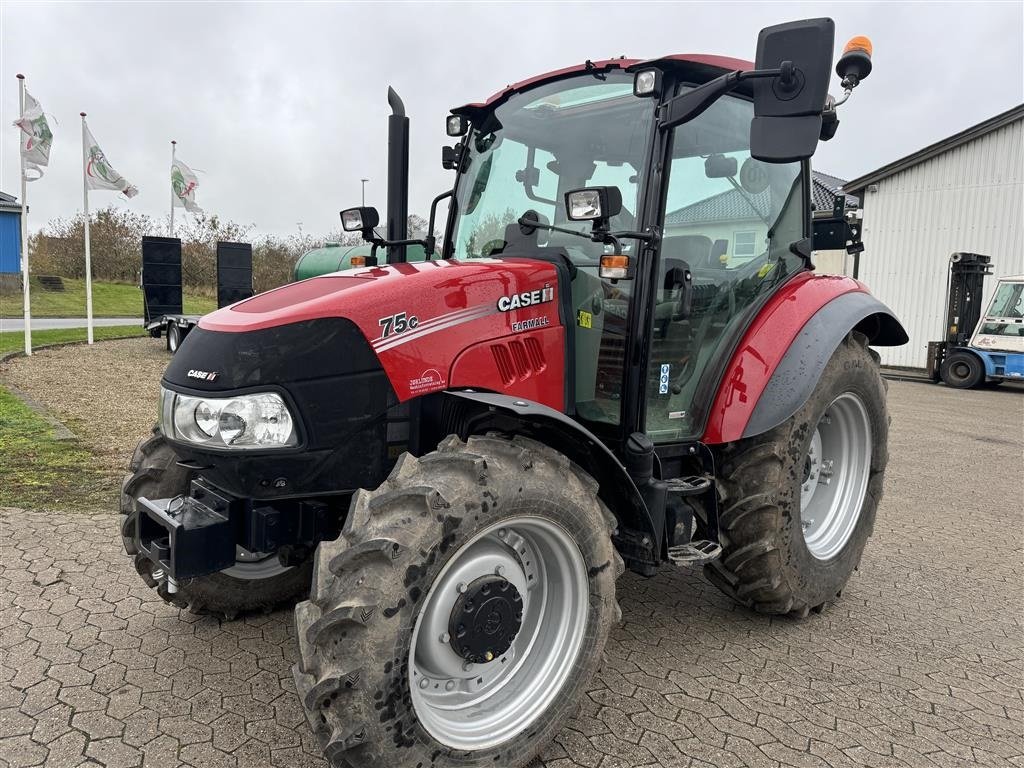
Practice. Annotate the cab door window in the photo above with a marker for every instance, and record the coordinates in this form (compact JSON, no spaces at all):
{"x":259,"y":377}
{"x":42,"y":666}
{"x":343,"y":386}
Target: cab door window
{"x":729,"y":220}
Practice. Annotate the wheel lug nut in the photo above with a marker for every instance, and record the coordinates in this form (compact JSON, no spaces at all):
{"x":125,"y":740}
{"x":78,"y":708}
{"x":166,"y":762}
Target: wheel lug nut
{"x":499,"y":571}
{"x":424,"y":683}
{"x":502,"y":533}
{"x":445,"y":637}
{"x":467,"y":666}
{"x":450,"y":685}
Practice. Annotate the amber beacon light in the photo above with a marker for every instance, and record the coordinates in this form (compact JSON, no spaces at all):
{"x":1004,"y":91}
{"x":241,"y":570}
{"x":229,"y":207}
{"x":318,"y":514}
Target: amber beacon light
{"x":855,"y":63}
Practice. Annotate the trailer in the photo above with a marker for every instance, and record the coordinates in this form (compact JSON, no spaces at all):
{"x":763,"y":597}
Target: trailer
{"x":979,"y":348}
{"x":161,"y":285}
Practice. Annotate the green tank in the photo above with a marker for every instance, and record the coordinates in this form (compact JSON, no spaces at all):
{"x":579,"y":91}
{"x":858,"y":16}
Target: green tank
{"x":334,"y":257}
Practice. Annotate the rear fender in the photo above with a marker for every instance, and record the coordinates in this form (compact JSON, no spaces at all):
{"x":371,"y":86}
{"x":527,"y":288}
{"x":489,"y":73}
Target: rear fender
{"x":781,"y":358}
{"x":470,"y":413}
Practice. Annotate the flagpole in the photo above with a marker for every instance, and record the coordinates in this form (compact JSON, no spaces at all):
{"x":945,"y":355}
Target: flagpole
{"x":173,"y":147}
{"x":88,"y":255}
{"x":24,"y":226}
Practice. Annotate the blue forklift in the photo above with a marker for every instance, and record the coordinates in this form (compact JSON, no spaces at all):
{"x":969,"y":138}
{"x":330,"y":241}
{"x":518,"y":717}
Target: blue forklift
{"x":979,"y":348}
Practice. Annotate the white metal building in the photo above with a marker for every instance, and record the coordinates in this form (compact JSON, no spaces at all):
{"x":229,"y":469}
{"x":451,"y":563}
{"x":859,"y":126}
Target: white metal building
{"x":965,"y":193}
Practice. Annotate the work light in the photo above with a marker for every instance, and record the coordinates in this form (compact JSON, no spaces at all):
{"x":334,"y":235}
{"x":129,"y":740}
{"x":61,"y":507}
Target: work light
{"x":252,"y":421}
{"x":593,"y":203}
{"x":647,"y":82}
{"x":456,"y":125}
{"x":359,"y":219}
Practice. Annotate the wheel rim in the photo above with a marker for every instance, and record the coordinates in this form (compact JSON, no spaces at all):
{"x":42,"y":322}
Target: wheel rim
{"x":961,"y":370}
{"x":173,"y":338}
{"x":477,"y":706}
{"x":252,"y":566}
{"x":835,"y":479}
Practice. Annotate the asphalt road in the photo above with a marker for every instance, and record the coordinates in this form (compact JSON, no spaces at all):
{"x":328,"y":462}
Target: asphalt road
{"x":46,"y":323}
{"x":918,"y":664}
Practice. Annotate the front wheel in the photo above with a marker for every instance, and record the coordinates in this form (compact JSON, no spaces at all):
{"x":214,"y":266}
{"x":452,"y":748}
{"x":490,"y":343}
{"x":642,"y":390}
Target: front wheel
{"x":962,"y":370}
{"x":460,"y":615}
{"x":799,"y":501}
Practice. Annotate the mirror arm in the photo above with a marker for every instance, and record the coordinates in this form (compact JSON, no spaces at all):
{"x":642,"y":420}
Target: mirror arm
{"x":687,"y":106}
{"x":599,"y":235}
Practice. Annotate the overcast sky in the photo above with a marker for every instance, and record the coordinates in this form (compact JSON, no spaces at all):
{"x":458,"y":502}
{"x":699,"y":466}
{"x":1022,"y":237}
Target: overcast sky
{"x":283,"y":105}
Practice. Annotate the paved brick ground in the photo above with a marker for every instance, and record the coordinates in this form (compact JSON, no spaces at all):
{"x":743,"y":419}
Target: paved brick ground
{"x":919,"y":664}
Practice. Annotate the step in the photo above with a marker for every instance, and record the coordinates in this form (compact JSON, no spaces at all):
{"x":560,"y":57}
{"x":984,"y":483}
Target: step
{"x":695,"y":553}
{"x":692,"y":485}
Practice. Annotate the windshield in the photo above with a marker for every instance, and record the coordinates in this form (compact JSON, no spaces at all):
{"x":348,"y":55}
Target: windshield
{"x":583,"y":131}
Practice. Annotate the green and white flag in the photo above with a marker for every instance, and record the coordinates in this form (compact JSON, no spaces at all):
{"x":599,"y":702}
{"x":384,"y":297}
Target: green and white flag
{"x":36,"y":138}
{"x":99,"y":174}
{"x":184,"y":184}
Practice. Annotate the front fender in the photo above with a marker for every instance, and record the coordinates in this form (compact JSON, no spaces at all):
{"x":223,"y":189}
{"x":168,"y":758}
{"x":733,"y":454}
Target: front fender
{"x":469,"y":413}
{"x":780,"y":359}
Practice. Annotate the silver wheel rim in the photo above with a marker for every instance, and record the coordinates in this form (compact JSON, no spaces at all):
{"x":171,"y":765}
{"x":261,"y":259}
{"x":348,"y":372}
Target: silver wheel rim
{"x":173,"y":338}
{"x":255,"y":565}
{"x":477,"y":706}
{"x":835,"y":476}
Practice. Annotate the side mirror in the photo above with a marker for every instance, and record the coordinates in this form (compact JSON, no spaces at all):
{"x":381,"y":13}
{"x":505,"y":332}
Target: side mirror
{"x":360,"y":220}
{"x":720,"y":167}
{"x":787,"y":107}
{"x":593,"y":203}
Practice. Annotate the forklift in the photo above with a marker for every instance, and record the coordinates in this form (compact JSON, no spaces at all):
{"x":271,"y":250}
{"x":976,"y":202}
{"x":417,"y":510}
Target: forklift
{"x":979,"y":348}
{"x":450,"y":462}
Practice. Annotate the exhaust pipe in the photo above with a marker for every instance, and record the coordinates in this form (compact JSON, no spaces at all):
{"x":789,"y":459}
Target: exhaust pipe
{"x":398,"y":176}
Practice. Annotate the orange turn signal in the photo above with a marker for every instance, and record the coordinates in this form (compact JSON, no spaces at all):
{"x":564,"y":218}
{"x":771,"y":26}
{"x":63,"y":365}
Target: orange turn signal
{"x":614,"y":266}
{"x":358,"y":261}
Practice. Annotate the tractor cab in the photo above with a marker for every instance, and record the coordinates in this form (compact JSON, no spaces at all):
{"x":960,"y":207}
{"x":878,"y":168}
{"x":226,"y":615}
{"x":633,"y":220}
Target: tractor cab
{"x":711,"y":227}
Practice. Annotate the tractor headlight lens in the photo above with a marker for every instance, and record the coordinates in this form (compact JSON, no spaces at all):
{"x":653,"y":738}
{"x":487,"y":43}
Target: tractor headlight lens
{"x":254,"y":421}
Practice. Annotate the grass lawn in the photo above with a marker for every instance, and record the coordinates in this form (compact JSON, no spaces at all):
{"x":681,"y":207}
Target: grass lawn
{"x":41,"y":470}
{"x":108,"y":300}
{"x":14,"y":341}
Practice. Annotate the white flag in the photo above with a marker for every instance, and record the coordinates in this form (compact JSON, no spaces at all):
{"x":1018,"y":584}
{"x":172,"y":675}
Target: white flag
{"x":98,"y":172}
{"x":36,"y":138}
{"x":184,"y":183}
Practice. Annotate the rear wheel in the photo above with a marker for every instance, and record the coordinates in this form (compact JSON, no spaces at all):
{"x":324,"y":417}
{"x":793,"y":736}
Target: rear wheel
{"x":962,"y":370}
{"x":257,"y":581}
{"x":460,"y":615}
{"x":800,"y":500}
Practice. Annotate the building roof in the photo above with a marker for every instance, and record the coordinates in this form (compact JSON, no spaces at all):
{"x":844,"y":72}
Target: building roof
{"x":732,"y":205}
{"x":9,"y":202}
{"x":966,"y":135}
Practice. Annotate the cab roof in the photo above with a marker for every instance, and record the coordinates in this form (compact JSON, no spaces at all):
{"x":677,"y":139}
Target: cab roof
{"x":703,"y":67}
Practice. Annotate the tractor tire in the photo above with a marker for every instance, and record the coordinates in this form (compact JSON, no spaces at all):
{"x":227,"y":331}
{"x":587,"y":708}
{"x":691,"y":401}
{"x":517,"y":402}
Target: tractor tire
{"x":247,"y":586}
{"x":962,"y":370}
{"x":395,"y":671}
{"x":799,"y":501}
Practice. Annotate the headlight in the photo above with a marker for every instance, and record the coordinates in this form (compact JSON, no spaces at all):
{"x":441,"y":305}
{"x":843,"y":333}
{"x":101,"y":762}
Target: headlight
{"x":259,"y":420}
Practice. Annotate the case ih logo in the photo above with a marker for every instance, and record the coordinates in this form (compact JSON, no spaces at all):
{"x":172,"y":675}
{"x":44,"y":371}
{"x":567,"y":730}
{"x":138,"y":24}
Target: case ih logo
{"x":527,"y":299}
{"x":203,"y":375}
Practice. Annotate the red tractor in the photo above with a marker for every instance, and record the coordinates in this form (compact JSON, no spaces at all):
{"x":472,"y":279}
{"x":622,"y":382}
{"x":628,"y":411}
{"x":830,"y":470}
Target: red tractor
{"x":620,"y":357}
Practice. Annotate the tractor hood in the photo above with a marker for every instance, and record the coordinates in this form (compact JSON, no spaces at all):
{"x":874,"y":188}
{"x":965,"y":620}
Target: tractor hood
{"x":411,"y":319}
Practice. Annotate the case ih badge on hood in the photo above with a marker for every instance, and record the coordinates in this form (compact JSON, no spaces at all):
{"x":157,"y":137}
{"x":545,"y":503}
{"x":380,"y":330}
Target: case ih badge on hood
{"x":202,"y":375}
{"x":526,"y":299}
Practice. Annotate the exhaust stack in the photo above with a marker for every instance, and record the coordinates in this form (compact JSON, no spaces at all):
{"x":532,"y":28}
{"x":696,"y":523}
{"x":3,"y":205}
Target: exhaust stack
{"x":398,"y":176}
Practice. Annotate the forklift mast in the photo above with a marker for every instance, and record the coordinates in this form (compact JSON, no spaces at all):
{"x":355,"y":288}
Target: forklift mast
{"x":967,"y":273}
